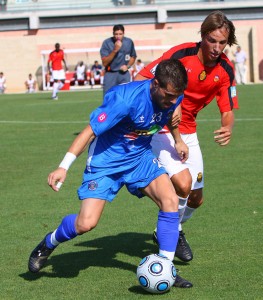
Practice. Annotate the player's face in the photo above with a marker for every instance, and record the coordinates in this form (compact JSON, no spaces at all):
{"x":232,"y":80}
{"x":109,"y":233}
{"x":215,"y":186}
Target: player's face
{"x":164,"y":97}
{"x":213,"y":44}
{"x":118,"y":35}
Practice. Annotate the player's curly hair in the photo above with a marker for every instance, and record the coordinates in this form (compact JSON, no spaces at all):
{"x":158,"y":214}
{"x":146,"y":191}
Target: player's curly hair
{"x":216,"y":20}
{"x":171,"y":71}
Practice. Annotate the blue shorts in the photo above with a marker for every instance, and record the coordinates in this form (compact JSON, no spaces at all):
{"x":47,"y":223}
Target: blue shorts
{"x":106,"y":187}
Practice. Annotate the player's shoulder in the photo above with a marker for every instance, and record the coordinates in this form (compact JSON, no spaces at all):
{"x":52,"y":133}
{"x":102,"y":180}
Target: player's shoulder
{"x":183,"y":50}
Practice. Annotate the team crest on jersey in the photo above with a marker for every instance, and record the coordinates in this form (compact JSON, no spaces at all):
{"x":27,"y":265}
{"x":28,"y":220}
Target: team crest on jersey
{"x":102,"y":117}
{"x":202,"y":75}
{"x":92,"y":185}
{"x":199,"y":177}
{"x":216,"y":78}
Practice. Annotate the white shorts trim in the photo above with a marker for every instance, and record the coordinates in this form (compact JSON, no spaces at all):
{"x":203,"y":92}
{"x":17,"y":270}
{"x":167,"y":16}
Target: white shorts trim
{"x":163,"y":148}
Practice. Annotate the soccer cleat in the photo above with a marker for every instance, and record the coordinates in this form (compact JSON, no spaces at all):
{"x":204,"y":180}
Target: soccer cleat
{"x":55,"y":98}
{"x":39,"y":256}
{"x":183,"y":250}
{"x":182,"y":283}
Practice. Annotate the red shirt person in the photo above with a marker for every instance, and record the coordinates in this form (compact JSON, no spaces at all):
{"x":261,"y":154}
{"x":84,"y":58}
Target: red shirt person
{"x":210,"y":75}
{"x":56,"y":70}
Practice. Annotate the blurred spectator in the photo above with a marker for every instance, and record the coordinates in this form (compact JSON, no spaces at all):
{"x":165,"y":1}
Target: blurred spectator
{"x":30,"y":84}
{"x":137,"y":67}
{"x":96,"y":73}
{"x":2,"y":83}
{"x":240,"y":65}
{"x":80,"y":75}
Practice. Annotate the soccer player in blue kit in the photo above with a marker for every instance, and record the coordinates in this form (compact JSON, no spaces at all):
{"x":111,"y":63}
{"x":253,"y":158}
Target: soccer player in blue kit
{"x":119,"y":136}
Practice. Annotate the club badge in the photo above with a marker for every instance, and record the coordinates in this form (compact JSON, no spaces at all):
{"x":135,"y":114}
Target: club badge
{"x":199,"y":177}
{"x":92,"y":185}
{"x":202,"y":75}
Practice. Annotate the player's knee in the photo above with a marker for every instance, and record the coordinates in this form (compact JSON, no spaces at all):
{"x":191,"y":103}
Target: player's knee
{"x":182,"y":187}
{"x":169,"y":204}
{"x":195,"y":199}
{"x":83,"y":226}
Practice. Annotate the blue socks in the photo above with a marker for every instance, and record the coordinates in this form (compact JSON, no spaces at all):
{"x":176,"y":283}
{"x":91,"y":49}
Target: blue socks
{"x":66,"y":231}
{"x":167,"y":230}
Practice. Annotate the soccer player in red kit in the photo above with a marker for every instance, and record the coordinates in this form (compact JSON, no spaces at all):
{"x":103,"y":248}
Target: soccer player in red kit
{"x":210,"y":75}
{"x":55,"y":68}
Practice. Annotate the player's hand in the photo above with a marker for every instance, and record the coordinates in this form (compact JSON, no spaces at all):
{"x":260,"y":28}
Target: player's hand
{"x":124,"y":68}
{"x":182,"y":150}
{"x":56,"y":178}
{"x":117,"y":45}
{"x":222,"y":136}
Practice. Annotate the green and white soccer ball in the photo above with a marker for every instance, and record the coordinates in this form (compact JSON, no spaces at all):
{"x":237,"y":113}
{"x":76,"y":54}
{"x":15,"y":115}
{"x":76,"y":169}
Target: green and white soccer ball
{"x":156,"y":273}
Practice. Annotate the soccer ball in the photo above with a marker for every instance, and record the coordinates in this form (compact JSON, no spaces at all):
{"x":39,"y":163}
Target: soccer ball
{"x":156,"y":273}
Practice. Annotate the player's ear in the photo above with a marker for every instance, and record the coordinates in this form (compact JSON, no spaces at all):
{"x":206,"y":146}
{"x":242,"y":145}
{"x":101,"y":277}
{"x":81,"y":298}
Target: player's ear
{"x":156,"y":83}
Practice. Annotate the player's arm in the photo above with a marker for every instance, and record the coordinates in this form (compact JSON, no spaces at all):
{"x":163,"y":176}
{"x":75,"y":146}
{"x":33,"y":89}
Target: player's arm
{"x":57,"y":177}
{"x":106,"y":60}
{"x":65,"y":64}
{"x":180,"y":146}
{"x":223,"y":135}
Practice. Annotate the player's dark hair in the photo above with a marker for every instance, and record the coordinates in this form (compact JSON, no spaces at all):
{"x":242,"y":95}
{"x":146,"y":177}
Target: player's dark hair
{"x":118,"y":27}
{"x":216,"y":20}
{"x":171,"y":71}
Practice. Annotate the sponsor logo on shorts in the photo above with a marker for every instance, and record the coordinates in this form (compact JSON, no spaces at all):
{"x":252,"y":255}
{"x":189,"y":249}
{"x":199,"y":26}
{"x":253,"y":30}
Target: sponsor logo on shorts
{"x":199,"y":177}
{"x":102,"y":117}
{"x":92,"y":185}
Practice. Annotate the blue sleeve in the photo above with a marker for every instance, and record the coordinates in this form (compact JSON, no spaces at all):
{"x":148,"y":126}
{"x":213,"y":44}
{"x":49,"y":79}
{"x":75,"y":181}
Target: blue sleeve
{"x":111,"y":112}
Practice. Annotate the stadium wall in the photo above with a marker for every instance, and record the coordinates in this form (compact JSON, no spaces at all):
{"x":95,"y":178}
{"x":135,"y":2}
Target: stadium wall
{"x":21,"y":50}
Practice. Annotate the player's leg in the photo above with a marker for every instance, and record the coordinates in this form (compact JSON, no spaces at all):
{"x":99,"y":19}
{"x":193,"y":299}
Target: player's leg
{"x":163,"y":147}
{"x":69,"y":228}
{"x":196,"y":168}
{"x":162,"y":192}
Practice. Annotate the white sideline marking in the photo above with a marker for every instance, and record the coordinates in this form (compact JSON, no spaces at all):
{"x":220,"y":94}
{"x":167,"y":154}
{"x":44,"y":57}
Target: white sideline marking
{"x":85,"y":122}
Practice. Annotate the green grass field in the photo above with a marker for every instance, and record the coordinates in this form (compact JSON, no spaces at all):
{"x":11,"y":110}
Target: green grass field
{"x":225,"y":233}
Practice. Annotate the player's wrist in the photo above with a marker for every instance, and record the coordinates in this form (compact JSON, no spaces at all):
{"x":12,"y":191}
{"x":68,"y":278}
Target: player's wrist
{"x":67,"y":161}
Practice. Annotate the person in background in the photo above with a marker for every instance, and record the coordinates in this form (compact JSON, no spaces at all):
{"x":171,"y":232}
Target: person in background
{"x":119,"y":136}
{"x":55,"y":68}
{"x":2,"y":83}
{"x":80,"y":75}
{"x":118,"y":55}
{"x":137,"y":67}
{"x":30,"y":84}
{"x":96,"y":73}
{"x":210,"y":76}
{"x":240,"y":65}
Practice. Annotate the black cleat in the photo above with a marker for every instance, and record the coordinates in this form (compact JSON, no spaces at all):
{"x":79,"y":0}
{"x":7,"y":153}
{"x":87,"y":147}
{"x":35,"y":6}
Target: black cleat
{"x":39,"y":256}
{"x":182,"y":283}
{"x":183,"y":250}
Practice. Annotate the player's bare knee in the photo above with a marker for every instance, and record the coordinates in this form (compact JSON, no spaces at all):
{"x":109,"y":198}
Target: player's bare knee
{"x":195,"y":199}
{"x":169,"y":204}
{"x":83,"y":226}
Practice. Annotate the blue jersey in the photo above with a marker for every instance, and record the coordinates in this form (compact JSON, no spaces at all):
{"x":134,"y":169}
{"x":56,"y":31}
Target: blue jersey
{"x":122,"y":57}
{"x":124,"y":125}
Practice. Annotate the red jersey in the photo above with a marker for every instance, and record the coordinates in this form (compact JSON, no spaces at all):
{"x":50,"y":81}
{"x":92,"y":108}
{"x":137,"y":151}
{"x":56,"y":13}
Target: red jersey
{"x":204,"y":83}
{"x":56,"y":59}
